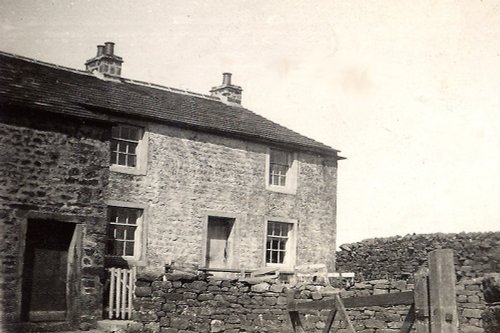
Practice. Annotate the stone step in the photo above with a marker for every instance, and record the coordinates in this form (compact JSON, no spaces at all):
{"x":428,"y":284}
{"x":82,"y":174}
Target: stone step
{"x":111,"y":326}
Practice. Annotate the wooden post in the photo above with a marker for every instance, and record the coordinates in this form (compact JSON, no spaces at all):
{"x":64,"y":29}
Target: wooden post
{"x":293,"y":313}
{"x":442,"y":298}
{"x":111,"y":292}
{"x":329,"y":321}
{"x":422,"y":301}
{"x":341,"y":308}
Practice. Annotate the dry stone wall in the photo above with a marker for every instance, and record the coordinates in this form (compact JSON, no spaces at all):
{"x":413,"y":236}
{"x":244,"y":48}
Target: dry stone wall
{"x":399,"y":257}
{"x":182,"y":302}
{"x":396,"y":258}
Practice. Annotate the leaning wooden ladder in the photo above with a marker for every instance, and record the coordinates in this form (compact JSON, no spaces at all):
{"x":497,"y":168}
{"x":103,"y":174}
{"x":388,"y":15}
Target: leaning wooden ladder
{"x":121,"y":292}
{"x":432,"y":303}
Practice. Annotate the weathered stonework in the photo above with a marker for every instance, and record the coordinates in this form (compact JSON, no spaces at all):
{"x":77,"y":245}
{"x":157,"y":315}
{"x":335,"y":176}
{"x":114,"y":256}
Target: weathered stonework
{"x":52,"y":168}
{"x":396,"y":258}
{"x":180,"y":302}
{"x":191,"y":175}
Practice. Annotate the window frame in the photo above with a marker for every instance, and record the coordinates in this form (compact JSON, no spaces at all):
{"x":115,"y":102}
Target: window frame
{"x":291,"y":246}
{"x":141,"y":163}
{"x":291,"y":176}
{"x":140,"y":241}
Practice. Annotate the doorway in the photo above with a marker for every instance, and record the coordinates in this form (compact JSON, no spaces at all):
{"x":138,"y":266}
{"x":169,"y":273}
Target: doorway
{"x":220,"y":242}
{"x":46,"y":269}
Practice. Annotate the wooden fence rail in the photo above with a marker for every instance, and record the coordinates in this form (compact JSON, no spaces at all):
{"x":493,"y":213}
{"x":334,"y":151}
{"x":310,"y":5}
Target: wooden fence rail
{"x":432,"y":304}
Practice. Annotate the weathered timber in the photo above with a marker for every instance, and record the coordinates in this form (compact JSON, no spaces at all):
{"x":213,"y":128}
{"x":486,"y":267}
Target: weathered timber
{"x":443,"y":305}
{"x":422,"y":313}
{"x":329,"y":321}
{"x":409,"y":320}
{"x":343,"y":312}
{"x":355,"y":302}
{"x":294,"y":315}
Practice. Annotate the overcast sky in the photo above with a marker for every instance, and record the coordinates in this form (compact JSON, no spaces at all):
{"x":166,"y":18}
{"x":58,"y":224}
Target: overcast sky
{"x":409,"y":91}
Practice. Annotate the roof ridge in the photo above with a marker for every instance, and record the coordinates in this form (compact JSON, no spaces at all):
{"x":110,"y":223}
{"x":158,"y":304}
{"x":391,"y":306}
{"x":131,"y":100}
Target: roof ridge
{"x":44,"y":63}
{"x":121,"y":79}
{"x":171,"y":89}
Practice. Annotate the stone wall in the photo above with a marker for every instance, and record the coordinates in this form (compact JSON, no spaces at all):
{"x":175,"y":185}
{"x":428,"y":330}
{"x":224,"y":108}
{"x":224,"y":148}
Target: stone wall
{"x":51,"y":168}
{"x":396,"y":258}
{"x":181,"y":302}
{"x":399,"y":257}
{"x":491,"y":314}
{"x":191,"y":175}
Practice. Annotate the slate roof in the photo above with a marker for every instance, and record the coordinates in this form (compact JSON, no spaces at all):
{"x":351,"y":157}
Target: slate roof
{"x":53,"y":88}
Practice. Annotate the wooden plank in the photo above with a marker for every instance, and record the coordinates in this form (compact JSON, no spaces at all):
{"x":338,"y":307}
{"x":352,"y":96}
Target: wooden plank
{"x":111,"y":292}
{"x":409,"y":320}
{"x":443,"y":304}
{"x":343,"y":312}
{"x":131,"y":292}
{"x":422,"y":301}
{"x":329,"y":321}
{"x":403,"y":298}
{"x":124,"y":298}
{"x":296,"y":323}
{"x":264,"y":271}
{"x":225,"y":270}
{"x":294,"y":315}
{"x":290,"y":300}
{"x":380,"y":300}
{"x":118,"y":292}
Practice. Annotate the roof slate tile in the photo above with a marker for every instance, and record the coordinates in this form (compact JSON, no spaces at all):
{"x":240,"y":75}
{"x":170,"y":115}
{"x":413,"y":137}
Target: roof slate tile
{"x":79,"y":93}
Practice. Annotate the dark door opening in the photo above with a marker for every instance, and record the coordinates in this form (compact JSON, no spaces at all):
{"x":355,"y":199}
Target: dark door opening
{"x":219,"y":252}
{"x":45,"y":270}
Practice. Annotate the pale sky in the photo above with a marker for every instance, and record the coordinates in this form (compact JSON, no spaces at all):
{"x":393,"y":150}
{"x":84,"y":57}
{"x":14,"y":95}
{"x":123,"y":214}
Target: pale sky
{"x":409,"y":91}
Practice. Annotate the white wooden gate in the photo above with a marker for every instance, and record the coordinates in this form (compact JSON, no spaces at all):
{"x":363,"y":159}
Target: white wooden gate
{"x":121,"y":292}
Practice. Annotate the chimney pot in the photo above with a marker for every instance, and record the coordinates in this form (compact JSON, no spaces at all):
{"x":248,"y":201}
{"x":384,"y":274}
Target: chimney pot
{"x":226,"y":79}
{"x":100,"y":50}
{"x":109,"y":48}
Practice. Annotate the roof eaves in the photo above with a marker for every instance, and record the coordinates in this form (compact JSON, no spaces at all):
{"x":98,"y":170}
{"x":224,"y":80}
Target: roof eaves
{"x":209,"y":129}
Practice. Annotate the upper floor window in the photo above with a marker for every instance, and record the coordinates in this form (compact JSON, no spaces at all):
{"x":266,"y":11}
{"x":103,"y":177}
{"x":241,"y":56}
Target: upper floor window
{"x":281,"y":171}
{"x":124,"y":231}
{"x":128,"y":149}
{"x":279,"y":165}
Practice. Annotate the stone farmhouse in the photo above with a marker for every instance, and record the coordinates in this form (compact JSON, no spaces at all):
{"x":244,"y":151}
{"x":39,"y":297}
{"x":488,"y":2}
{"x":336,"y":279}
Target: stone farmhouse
{"x":98,"y":171}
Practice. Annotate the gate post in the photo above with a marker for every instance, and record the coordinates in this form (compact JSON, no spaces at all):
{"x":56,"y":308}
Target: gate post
{"x":422,"y":301}
{"x":442,"y":298}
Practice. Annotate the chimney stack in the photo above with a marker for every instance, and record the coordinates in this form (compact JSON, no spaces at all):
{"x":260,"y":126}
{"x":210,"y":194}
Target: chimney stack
{"x":105,"y":61}
{"x":227,"y":92}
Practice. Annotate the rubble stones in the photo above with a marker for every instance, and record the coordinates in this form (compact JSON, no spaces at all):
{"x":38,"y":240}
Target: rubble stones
{"x":491,"y":288}
{"x":399,"y":257}
{"x":225,"y":306}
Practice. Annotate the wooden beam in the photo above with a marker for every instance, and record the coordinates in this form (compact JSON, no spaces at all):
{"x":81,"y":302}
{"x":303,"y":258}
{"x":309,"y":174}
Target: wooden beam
{"x":443,"y":304}
{"x":422,"y":301}
{"x":329,"y":321}
{"x":409,"y":320}
{"x":295,"y":321}
{"x":343,"y":312}
{"x":357,"y":302}
{"x":294,"y":315}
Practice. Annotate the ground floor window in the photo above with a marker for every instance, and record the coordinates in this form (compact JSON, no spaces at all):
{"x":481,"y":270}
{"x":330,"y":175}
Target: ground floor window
{"x":280,"y":243}
{"x":124,"y":231}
